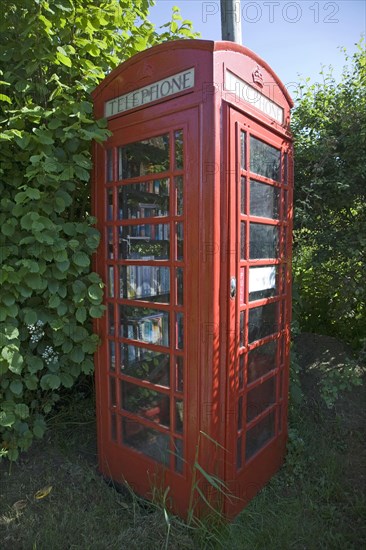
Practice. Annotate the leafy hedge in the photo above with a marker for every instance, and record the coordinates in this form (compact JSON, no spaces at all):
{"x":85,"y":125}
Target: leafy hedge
{"x":52,"y":54}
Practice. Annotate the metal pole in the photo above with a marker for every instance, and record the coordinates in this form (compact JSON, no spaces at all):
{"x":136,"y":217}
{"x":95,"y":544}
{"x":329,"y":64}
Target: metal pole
{"x":231,"y":20}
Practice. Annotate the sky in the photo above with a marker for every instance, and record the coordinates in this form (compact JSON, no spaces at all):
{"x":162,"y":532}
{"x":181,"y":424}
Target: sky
{"x":294,"y":38}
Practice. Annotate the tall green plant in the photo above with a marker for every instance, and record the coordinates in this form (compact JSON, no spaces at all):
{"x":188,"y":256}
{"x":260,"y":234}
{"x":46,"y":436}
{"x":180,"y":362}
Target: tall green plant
{"x":52,"y":55}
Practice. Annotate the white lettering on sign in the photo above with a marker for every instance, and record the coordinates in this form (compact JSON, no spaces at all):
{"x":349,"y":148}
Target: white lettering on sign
{"x":251,"y":95}
{"x":158,"y":90}
{"x":262,"y":278}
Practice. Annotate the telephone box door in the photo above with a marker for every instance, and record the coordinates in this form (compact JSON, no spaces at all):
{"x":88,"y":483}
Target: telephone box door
{"x":147,"y":209}
{"x":259,"y":312}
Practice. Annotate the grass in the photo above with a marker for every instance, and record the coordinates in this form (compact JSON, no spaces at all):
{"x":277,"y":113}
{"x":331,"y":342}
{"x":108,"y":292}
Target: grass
{"x":316,"y":501}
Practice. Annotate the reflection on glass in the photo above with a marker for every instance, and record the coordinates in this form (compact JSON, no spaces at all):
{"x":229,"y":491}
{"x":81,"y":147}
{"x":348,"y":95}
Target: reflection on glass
{"x":144,"y":242}
{"x":179,"y":283}
{"x":112,"y":392}
{"x":143,"y":200}
{"x":240,"y":413}
{"x":242,"y":313}
{"x":109,"y":204}
{"x":179,"y":233}
{"x":242,"y":285}
{"x":263,"y":321}
{"x":265,"y":160}
{"x":112,"y":355}
{"x":178,"y":140}
{"x":242,"y":151}
{"x":263,"y":241}
{"x":179,"y":373}
{"x":241,"y":371}
{"x":263,"y":282}
{"x":180,"y":331}
{"x":147,"y":325}
{"x":145,"y":364}
{"x":149,"y":404}
{"x":150,"y":442}
{"x":113,"y":427}
{"x":259,"y":435}
{"x":242,"y":240}
{"x":111,"y":325}
{"x":239,"y":459}
{"x":179,"y":190}
{"x":110,"y":243}
{"x":179,"y":416}
{"x":264,"y":200}
{"x":149,"y":156}
{"x":111,"y":281}
{"x":242,"y":195}
{"x":260,"y":398}
{"x":109,"y":166}
{"x":178,"y":455}
{"x":149,"y":283}
{"x":262,"y":360}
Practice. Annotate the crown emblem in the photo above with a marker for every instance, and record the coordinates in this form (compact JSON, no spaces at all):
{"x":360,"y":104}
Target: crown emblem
{"x":257,"y":76}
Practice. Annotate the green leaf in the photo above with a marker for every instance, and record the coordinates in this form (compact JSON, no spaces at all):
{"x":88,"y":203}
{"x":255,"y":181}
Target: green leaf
{"x":50,"y":381}
{"x":81,"y":314}
{"x":96,"y":311}
{"x":77,"y":355}
{"x":34,"y":364}
{"x":66,"y":380}
{"x":62,"y":57}
{"x":16,"y":387}
{"x":7,"y":419}
{"x":95,"y":292}
{"x":81,"y":259}
{"x":39,"y":427}
{"x":21,"y":410}
{"x":5,"y":98}
{"x":30,"y":317}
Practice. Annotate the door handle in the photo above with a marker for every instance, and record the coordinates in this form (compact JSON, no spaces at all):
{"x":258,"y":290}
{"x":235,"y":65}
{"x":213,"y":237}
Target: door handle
{"x":232,"y":287}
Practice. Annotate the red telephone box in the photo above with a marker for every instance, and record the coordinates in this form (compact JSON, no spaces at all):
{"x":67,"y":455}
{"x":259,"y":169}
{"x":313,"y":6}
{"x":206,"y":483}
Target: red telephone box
{"x":193,"y":197}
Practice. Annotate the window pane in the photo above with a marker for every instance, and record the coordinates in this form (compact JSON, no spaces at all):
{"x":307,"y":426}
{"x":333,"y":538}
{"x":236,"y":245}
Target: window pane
{"x":259,"y":435}
{"x":178,"y":140}
{"x":151,"y":283}
{"x":179,"y":331}
{"x":260,"y":398}
{"x":111,"y":281}
{"x":180,"y":236}
{"x":144,"y":157}
{"x":263,"y":241}
{"x":179,"y":190}
{"x":262,"y":360}
{"x":242,"y":195}
{"x":241,"y":371}
{"x":242,"y":318}
{"x":263,"y":282}
{"x":145,"y":364}
{"x":242,"y":240}
{"x":265,"y":160}
{"x":112,"y":355}
{"x":179,"y":373}
{"x":112,"y":392}
{"x":144,"y":200}
{"x":111,"y":324}
{"x":144,"y":242}
{"x":179,"y":416}
{"x":263,"y":321}
{"x":179,"y":282}
{"x":149,"y":404}
{"x":110,"y":242}
{"x":109,"y":204}
{"x":146,"y":440}
{"x":264,"y":200}
{"x":147,"y":325}
{"x":242,"y":150}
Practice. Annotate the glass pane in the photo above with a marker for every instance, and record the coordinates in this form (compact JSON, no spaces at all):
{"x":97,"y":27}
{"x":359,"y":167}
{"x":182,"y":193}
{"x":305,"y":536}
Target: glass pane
{"x":242,"y":195}
{"x":263,"y":282}
{"x":111,"y":324}
{"x":242,"y":151}
{"x":145,"y":282}
{"x":149,"y":404}
{"x":146,"y":440}
{"x":112,"y":355}
{"x":110,"y":281}
{"x":179,"y":416}
{"x":179,"y":331}
{"x":265,"y":160}
{"x":241,"y":371}
{"x":263,"y":241}
{"x":178,"y":140}
{"x":113,"y":427}
{"x":144,"y":200}
{"x":263,"y":321}
{"x":242,"y":240}
{"x":264,"y":200}
{"x":239,"y":458}
{"x":262,"y":360}
{"x":179,"y":233}
{"x":260,"y":398}
{"x":147,"y":325}
{"x":145,"y":364}
{"x":109,"y":204}
{"x":179,"y":282}
{"x":109,"y":165}
{"x":149,"y":156}
{"x":242,"y":318}
{"x":242,"y":285}
{"x":240,"y":413}
{"x":112,"y":392}
{"x":179,"y":190}
{"x":259,"y":435}
{"x":144,"y":242}
{"x":110,"y":243}
{"x":178,"y":455}
{"x":179,"y":373}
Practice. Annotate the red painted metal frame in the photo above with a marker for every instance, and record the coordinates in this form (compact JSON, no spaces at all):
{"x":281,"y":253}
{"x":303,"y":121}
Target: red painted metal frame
{"x":212,"y":118}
